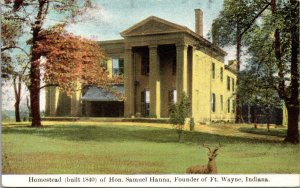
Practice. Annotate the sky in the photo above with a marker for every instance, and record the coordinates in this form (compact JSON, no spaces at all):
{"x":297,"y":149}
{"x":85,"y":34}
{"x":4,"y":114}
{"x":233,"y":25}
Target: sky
{"x":114,"y":16}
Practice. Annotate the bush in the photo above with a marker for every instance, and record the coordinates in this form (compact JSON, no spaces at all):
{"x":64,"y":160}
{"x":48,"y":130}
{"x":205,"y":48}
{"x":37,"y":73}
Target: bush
{"x":180,"y":111}
{"x":192,"y":124}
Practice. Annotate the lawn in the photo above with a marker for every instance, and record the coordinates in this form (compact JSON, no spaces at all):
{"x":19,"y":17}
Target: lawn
{"x":94,"y":148}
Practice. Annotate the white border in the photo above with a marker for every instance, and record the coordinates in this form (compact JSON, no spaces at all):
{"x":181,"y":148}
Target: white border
{"x":274,"y":180}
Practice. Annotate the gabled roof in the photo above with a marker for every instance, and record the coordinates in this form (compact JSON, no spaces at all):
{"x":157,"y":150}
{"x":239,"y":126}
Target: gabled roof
{"x":154,"y":25}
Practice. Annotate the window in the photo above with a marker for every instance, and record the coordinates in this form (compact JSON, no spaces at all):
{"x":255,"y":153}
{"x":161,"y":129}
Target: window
{"x":145,"y":102}
{"x":145,"y":66}
{"x":228,"y":83}
{"x":233,"y":106}
{"x":117,"y":67}
{"x":232,"y":84}
{"x":221,"y":101}
{"x":221,"y":74}
{"x":213,"y":102}
{"x":172,"y":96}
{"x":213,"y":69}
{"x":228,"y":105}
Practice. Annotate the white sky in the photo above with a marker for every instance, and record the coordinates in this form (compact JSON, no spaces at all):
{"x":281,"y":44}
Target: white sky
{"x":115,"y":16}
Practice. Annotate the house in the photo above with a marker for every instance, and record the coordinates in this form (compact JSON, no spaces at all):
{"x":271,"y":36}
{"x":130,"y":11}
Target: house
{"x":160,"y":60}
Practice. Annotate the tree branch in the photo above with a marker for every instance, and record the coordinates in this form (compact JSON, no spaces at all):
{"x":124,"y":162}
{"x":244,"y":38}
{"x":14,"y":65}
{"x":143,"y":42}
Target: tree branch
{"x":48,"y":85}
{"x":255,"y":17}
{"x":14,"y":47}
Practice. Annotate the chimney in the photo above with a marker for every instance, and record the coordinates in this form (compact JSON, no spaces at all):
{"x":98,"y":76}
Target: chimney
{"x":199,"y":22}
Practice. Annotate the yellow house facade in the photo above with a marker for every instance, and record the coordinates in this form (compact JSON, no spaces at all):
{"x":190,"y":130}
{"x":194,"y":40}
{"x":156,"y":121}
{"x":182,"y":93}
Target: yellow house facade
{"x":160,"y":61}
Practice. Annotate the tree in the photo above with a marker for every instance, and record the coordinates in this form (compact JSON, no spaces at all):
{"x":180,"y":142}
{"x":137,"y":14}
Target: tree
{"x":34,"y":14}
{"x":286,"y":49}
{"x":70,"y":60}
{"x":279,"y":29}
{"x":257,"y":93}
{"x":179,"y":112}
{"x":19,"y":77}
{"x":273,"y":47}
{"x":14,"y":65}
{"x":234,"y":21}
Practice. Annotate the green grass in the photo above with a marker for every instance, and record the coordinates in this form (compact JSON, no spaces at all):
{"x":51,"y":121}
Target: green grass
{"x":114,"y":149}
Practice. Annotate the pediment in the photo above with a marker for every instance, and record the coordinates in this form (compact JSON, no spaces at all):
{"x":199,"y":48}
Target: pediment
{"x":152,"y":26}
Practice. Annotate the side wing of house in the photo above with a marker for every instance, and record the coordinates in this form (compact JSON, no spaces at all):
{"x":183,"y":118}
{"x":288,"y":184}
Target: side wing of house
{"x":213,"y":86}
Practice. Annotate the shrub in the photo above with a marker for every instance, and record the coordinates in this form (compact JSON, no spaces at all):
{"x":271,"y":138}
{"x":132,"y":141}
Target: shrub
{"x":192,"y":124}
{"x":180,"y":111}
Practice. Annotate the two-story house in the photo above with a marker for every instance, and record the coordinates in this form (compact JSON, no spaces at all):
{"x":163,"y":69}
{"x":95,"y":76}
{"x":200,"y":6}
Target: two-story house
{"x":161,"y":60}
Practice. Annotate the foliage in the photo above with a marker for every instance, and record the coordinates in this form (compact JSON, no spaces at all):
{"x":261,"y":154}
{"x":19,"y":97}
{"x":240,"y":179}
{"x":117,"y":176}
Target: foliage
{"x":14,"y":64}
{"x":271,"y":60}
{"x":34,"y":16}
{"x":70,"y":60}
{"x":234,"y":21}
{"x":11,"y":31}
{"x":179,"y":112}
{"x":192,"y":124}
{"x":236,"y":15}
{"x":270,"y":31}
{"x":256,"y":91}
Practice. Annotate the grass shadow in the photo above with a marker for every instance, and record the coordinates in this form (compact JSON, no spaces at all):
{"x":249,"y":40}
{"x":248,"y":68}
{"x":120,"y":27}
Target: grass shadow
{"x":273,"y":132}
{"x":109,"y":133}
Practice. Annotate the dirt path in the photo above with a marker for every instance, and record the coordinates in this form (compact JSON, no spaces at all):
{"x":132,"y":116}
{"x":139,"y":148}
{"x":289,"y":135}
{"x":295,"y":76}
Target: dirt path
{"x":233,"y":130}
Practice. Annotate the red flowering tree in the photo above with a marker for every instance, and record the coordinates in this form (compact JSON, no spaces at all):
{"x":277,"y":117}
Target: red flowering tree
{"x":70,"y":60}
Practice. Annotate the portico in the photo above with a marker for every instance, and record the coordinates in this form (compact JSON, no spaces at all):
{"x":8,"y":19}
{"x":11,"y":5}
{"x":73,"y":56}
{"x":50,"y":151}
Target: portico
{"x":159,"y":81}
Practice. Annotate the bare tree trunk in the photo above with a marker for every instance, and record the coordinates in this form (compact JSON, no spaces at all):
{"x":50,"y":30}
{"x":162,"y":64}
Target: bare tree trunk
{"x":268,"y":119}
{"x":17,"y":91}
{"x":17,"y":112}
{"x":238,"y":55}
{"x":35,"y":80}
{"x":293,"y":102}
{"x":293,"y":127}
{"x":34,"y":90}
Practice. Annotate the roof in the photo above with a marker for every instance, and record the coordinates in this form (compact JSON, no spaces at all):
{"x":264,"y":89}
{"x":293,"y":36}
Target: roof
{"x":154,"y":25}
{"x":115,"y":93}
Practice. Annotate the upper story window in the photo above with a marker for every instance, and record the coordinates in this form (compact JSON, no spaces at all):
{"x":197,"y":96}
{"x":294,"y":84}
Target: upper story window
{"x":232,"y":84}
{"x":228,"y":83}
{"x":213,"y":102}
{"x":213,"y":70}
{"x":221,"y":74}
{"x":117,"y":66}
{"x":145,"y":66}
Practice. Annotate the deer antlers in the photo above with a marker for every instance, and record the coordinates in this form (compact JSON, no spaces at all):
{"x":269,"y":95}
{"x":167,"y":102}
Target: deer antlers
{"x":215,"y":150}
{"x":206,"y":146}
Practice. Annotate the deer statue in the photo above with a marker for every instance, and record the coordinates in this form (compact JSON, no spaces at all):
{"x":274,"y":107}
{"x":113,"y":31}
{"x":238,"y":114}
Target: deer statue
{"x":210,"y":168}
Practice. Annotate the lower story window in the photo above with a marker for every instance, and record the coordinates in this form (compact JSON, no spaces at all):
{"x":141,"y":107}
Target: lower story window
{"x":172,"y":96}
{"x":213,"y":102}
{"x":145,"y":102}
{"x":228,"y":105}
